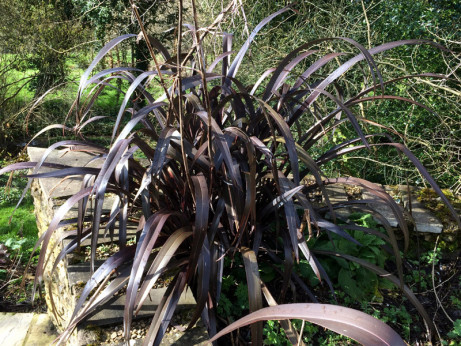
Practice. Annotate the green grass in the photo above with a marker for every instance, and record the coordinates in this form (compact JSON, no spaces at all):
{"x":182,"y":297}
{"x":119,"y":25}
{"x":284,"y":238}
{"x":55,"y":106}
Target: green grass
{"x":16,"y":74}
{"x":21,"y":233}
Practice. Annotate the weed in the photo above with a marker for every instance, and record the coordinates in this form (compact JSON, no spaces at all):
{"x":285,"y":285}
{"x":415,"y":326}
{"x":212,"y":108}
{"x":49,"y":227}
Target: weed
{"x":419,"y":278}
{"x":456,"y":332}
{"x":432,"y":257}
{"x":274,"y":334}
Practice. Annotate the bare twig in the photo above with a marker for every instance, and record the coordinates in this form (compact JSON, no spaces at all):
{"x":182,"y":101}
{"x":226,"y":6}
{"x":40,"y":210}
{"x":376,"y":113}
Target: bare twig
{"x":180,"y":112}
{"x":368,"y":24}
{"x":301,"y":332}
{"x":439,"y":303}
{"x":450,"y":90}
{"x":206,"y":97}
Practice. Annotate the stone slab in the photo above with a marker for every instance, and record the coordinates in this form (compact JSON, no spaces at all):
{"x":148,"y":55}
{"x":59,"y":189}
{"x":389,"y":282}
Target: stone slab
{"x":105,"y":239}
{"x":57,"y":187}
{"x":54,"y":190}
{"x":14,"y":327}
{"x":336,"y":193}
{"x":112,"y":311}
{"x":73,"y":212}
{"x":425,"y":221}
{"x":341,"y":213}
{"x":41,"y":331}
{"x":381,"y":208}
{"x":80,"y":272}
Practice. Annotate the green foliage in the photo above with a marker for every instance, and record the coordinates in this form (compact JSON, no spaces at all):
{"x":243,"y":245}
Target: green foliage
{"x":396,"y":316}
{"x":420,"y":278}
{"x":455,"y":301}
{"x":19,"y":235}
{"x":29,"y":30}
{"x":358,"y":282}
{"x":234,"y":295}
{"x":456,"y":332}
{"x":234,"y":299}
{"x":311,"y":335}
{"x":3,"y":274}
{"x":432,"y":257}
{"x":432,"y":136}
{"x":274,"y":335}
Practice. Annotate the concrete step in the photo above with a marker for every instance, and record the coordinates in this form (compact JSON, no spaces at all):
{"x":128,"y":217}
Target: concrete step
{"x":112,"y":311}
{"x":28,"y":329}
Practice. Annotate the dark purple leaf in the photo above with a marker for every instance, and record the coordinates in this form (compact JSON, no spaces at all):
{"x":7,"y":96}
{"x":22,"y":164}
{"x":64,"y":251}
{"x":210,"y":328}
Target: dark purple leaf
{"x":101,"y":54}
{"x":254,"y":292}
{"x":349,"y":322}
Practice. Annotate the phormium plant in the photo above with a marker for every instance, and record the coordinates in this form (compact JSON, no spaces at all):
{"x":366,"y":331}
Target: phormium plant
{"x":225,"y":176}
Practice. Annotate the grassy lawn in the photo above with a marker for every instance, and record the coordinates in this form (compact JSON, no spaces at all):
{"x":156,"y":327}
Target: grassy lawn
{"x":21,"y":232}
{"x":18,"y":238}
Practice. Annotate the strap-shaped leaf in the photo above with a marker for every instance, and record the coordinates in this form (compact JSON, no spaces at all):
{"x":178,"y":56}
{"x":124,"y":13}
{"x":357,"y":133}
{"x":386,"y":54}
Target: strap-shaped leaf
{"x":226,"y":48}
{"x":104,"y":296}
{"x":165,"y":309}
{"x":65,"y":172}
{"x":238,"y":59}
{"x":144,"y":248}
{"x":347,"y":65}
{"x":164,"y":256}
{"x":349,"y":322}
{"x":221,"y":143}
{"x":314,"y":67}
{"x":282,"y":71}
{"x":220,"y":57}
{"x":28,"y":165}
{"x":101,"y":54}
{"x":113,"y":262}
{"x":203,"y":281}
{"x":254,"y":292}
{"x":128,"y":95}
{"x":287,"y":135}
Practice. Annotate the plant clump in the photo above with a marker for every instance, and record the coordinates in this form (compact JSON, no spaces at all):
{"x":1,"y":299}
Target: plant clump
{"x":223,"y":184}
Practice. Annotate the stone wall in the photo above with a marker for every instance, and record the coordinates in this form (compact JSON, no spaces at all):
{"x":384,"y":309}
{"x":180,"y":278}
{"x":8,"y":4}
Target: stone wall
{"x":62,"y":288}
{"x":58,"y":293}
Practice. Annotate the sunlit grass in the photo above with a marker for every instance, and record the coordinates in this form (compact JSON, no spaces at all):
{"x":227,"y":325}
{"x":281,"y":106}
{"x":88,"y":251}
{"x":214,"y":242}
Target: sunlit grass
{"x":21,"y":233}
